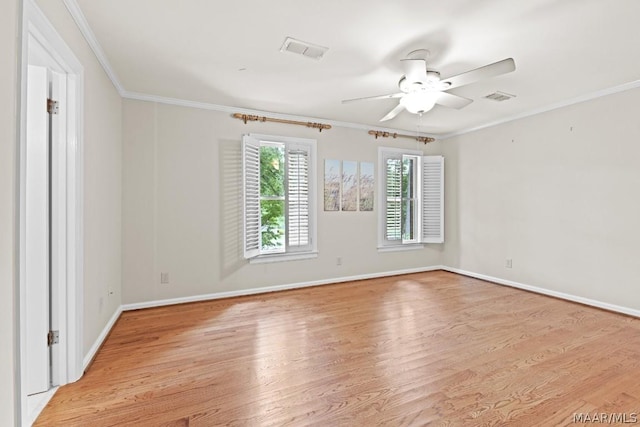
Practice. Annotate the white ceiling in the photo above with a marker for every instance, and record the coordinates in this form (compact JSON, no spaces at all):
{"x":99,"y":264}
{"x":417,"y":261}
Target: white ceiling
{"x":228,"y":53}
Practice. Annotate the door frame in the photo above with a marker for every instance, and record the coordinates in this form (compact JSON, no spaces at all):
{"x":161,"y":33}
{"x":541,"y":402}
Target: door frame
{"x":67,"y":264}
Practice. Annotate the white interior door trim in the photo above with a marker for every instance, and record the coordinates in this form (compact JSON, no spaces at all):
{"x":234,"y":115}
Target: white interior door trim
{"x":69,"y":242}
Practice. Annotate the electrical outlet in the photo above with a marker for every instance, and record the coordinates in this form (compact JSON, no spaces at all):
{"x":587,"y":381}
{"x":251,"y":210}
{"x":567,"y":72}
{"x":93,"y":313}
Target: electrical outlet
{"x":339,"y":261}
{"x":508,"y":263}
{"x":164,"y":278}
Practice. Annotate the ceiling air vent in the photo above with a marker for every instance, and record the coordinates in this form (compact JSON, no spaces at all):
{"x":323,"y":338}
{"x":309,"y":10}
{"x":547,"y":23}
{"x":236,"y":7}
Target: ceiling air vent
{"x":500,"y":96}
{"x":305,"y":49}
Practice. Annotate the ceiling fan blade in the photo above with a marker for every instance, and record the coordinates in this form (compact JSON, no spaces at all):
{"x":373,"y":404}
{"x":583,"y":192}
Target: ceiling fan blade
{"x":370,"y":98}
{"x":497,"y":68}
{"x":415,"y":70}
{"x":452,"y":101}
{"x":391,"y":114}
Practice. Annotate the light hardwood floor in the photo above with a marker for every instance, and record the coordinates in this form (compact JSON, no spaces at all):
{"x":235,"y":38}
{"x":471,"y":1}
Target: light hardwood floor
{"x":430,"y":348}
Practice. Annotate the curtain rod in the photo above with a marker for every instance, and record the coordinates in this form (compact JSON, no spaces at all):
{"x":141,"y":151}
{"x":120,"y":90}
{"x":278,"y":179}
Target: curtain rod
{"x":320,"y":126}
{"x":250,"y":118}
{"x":379,"y":133}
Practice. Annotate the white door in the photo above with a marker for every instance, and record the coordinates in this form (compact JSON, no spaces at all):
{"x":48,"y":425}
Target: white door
{"x":38,"y":230}
{"x":51,"y":207}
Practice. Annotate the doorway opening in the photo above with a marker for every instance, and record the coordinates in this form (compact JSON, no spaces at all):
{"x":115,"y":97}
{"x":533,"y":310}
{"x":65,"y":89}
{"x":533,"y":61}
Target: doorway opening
{"x":50,"y":214}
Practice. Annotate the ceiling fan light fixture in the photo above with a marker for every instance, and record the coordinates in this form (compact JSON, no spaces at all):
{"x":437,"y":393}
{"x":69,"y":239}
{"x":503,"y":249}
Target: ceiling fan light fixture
{"x":419,"y":102}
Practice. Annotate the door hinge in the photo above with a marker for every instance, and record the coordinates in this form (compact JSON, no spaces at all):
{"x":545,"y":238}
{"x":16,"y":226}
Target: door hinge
{"x":53,"y":337}
{"x":52,"y":106}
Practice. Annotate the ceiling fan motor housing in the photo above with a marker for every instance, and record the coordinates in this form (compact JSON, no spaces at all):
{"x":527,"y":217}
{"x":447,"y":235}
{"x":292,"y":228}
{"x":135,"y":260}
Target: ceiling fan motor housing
{"x":432,"y":82}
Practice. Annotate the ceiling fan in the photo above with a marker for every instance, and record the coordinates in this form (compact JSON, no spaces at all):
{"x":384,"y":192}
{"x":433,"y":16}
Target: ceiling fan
{"x":421,"y":88}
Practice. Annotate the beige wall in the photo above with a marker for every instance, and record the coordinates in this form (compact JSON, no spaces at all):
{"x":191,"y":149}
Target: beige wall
{"x":9,"y":31}
{"x":182,"y":207}
{"x":554,"y":192}
{"x":557,"y":193}
{"x":102,"y":179}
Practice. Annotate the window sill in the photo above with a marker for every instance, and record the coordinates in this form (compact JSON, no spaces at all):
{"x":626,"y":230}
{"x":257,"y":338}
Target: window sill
{"x":264,"y":259}
{"x":401,"y":248}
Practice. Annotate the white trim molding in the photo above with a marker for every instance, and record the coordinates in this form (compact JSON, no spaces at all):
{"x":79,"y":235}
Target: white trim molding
{"x":83,"y":25}
{"x":87,"y":32}
{"x":229,"y":109}
{"x":91,"y":354}
{"x":401,"y":248}
{"x":38,"y":32}
{"x":36,"y":403}
{"x":101,"y":338}
{"x":275,"y":288}
{"x":565,"y":103}
{"x":266,"y":259}
{"x":254,"y":291}
{"x":561,"y":295}
{"x":81,"y":21}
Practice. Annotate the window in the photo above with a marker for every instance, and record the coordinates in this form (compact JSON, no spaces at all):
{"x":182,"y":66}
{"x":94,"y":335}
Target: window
{"x":412,"y":199}
{"x":279,"y":197}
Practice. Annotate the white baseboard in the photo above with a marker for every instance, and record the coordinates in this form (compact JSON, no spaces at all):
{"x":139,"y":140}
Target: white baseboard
{"x":36,"y":403}
{"x":103,"y":335}
{"x":253,"y":291}
{"x":556,"y":294}
{"x":218,"y":295}
{"x":266,"y":289}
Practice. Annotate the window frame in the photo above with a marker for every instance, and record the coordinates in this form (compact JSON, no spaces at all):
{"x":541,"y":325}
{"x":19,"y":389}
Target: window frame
{"x":290,"y":253}
{"x":420,"y":208}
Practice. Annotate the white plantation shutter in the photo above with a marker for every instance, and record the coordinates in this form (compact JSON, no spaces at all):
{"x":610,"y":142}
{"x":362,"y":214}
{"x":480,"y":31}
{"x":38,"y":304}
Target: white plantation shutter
{"x":298,"y":231}
{"x":251,"y":184}
{"x":299,"y":194}
{"x":432,"y":199}
{"x":393,"y":201}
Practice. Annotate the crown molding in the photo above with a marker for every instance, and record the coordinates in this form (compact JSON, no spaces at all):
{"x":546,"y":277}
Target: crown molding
{"x":566,"y":103}
{"x":228,"y":109}
{"x":83,"y":25}
{"x":87,"y":32}
{"x":81,"y":21}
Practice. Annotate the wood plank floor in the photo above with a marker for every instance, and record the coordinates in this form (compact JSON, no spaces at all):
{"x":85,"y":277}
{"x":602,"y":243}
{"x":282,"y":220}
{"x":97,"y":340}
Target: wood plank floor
{"x":431,"y":348}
